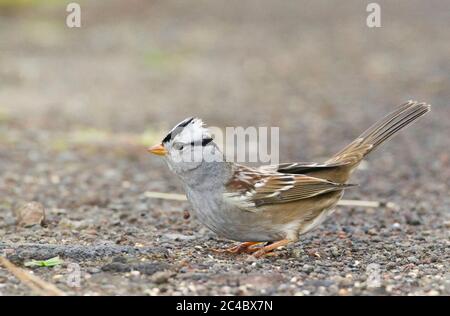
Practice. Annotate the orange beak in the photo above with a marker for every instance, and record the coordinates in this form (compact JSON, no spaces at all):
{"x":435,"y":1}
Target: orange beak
{"x":157,"y":150}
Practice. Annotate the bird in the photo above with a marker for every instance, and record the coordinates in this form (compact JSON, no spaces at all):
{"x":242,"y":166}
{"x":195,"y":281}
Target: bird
{"x":268,"y":207}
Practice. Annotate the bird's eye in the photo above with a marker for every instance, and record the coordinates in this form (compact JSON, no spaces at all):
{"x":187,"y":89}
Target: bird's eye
{"x":178,"y":146}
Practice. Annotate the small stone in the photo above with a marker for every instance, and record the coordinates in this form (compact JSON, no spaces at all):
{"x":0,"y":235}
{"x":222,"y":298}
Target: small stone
{"x":152,"y":292}
{"x":433,"y":293}
{"x":150,"y":268}
{"x":391,"y":265}
{"x":57,"y":277}
{"x":372,"y":232}
{"x":30,"y":214}
{"x":94,"y":270}
{"x":161,"y":277}
{"x":119,"y":259}
{"x":297,"y":253}
{"x":334,"y":251}
{"x":396,"y":226}
{"x":307,"y":268}
{"x":343,"y":292}
{"x":412,"y":219}
{"x":116,"y":267}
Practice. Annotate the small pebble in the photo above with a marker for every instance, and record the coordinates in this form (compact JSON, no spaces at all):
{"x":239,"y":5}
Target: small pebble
{"x":30,"y":214}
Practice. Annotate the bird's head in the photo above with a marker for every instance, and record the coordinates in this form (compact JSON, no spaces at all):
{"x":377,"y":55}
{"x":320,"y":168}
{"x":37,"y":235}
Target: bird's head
{"x":187,"y":146}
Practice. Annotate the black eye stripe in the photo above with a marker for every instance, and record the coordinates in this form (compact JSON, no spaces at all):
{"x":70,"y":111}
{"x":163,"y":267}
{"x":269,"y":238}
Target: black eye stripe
{"x":205,"y":141}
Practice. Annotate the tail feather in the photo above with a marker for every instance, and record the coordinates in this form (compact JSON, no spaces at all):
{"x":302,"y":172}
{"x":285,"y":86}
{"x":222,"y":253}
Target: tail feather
{"x":404,"y":115}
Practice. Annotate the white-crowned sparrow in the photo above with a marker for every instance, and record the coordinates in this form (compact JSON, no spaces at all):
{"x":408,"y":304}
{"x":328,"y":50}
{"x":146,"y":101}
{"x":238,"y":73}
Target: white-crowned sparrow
{"x":274,"y":203}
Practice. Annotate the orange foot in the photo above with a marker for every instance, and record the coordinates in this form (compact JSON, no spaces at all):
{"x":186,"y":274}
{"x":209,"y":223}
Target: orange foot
{"x":267,"y":250}
{"x":245,"y":247}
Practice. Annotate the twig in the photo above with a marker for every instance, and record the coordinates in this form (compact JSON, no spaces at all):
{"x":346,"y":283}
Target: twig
{"x":35,"y":283}
{"x":360,"y":203}
{"x":165,"y":196}
{"x":372,"y":204}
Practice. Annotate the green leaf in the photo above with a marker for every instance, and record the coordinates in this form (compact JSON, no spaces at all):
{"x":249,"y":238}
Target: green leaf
{"x":44,"y":263}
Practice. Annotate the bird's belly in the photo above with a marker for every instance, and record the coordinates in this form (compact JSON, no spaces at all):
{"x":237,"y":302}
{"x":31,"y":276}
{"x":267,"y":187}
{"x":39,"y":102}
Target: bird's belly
{"x":232,"y":223}
{"x":243,"y":229}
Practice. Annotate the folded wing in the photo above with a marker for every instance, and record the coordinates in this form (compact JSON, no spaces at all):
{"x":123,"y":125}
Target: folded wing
{"x":250,"y":188}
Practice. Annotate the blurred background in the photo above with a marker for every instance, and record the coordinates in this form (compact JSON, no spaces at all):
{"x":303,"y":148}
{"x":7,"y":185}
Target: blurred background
{"x":310,"y":67}
{"x":78,"y":106}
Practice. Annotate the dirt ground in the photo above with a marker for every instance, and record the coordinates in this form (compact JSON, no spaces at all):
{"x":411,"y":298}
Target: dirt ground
{"x":79,"y":106}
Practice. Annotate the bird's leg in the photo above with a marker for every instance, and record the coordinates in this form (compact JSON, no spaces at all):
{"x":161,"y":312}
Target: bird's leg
{"x":269,"y":248}
{"x":244,"y":247}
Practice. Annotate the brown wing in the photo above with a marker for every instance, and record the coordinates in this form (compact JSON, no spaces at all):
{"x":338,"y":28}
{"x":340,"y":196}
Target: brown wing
{"x":251,"y":188}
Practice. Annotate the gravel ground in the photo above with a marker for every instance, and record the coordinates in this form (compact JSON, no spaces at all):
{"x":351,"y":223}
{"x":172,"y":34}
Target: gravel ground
{"x":78,"y":106}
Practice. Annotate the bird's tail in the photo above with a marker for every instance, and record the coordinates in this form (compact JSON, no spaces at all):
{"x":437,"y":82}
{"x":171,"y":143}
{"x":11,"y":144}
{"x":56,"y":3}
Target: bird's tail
{"x":402,"y":116}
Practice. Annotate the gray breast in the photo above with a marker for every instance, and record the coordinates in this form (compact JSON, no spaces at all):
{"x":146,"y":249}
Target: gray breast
{"x":230,"y":222}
